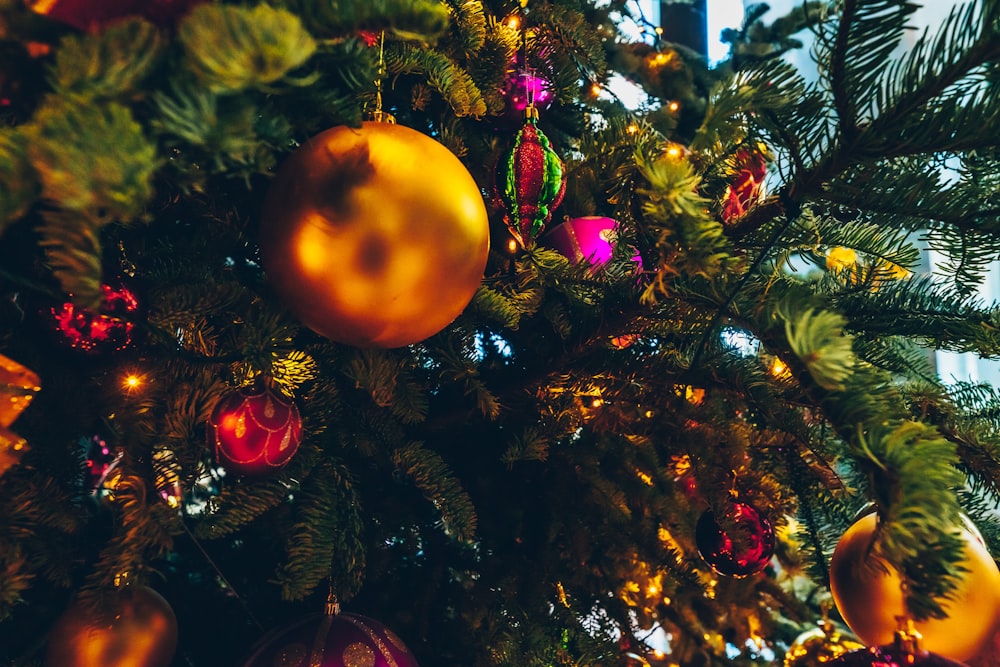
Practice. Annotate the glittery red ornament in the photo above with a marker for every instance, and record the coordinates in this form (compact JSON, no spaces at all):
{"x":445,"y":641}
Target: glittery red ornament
{"x":94,"y":14}
{"x":743,"y":553}
{"x":746,"y":188}
{"x":255,"y":431}
{"x":892,"y":656}
{"x":531,"y":182}
{"x":332,"y":640}
{"x":96,"y":332}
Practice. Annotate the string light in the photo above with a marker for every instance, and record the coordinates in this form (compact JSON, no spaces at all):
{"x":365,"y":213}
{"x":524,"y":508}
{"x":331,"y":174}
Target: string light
{"x":674,"y":151}
{"x":595,"y":89}
{"x":513,"y":22}
{"x":778,"y":368}
{"x":133,"y":382}
{"x":674,"y":106}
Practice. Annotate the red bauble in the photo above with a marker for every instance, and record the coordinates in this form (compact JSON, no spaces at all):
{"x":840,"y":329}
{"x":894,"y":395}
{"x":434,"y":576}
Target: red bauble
{"x":892,"y":656}
{"x":332,"y":640}
{"x":737,"y":555}
{"x":96,"y":332}
{"x":255,"y":431}
{"x":136,"y":628}
{"x":747,"y":186}
{"x":94,"y":14}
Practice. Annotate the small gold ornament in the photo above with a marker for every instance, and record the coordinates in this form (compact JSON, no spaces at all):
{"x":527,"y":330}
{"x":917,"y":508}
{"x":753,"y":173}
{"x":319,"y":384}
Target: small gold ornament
{"x":820,"y":645}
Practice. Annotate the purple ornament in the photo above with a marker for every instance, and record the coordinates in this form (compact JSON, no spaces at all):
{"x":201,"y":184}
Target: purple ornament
{"x":741,"y":554}
{"x":332,"y":640}
{"x":892,"y":656}
{"x":522,"y":88}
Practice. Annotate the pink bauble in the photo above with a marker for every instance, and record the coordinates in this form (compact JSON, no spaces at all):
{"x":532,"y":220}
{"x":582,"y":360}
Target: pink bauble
{"x":332,"y":640}
{"x":521,"y":88}
{"x":255,"y":431}
{"x":590,"y":238}
{"x":892,"y":656}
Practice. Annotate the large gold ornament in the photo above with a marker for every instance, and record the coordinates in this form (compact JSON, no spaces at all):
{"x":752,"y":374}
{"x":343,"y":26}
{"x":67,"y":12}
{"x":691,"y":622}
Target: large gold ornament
{"x":136,"y":629}
{"x":868,"y":593}
{"x":374,"y":236}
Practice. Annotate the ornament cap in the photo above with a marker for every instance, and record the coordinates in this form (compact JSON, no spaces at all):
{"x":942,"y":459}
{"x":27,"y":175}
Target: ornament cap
{"x":530,"y":113}
{"x":332,"y":605}
{"x":379,"y":116}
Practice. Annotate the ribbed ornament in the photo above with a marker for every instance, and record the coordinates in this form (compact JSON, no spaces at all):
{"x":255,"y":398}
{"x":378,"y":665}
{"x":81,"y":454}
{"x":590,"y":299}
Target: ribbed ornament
{"x":530,"y":181}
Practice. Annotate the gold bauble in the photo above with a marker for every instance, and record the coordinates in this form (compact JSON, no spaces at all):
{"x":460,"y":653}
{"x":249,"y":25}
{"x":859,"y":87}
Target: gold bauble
{"x":868,"y":593}
{"x":137,"y":628}
{"x":374,"y":236}
{"x":819,"y":645}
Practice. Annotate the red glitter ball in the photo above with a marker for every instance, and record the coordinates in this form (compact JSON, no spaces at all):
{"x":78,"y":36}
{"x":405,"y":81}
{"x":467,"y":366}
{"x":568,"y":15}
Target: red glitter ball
{"x":255,"y":431}
{"x":736,"y":555}
{"x":96,"y":332}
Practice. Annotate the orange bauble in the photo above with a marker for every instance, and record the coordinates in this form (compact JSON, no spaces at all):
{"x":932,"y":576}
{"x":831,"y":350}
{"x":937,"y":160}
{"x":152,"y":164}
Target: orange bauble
{"x":137,"y":628}
{"x":868,"y":595}
{"x":374,"y":236}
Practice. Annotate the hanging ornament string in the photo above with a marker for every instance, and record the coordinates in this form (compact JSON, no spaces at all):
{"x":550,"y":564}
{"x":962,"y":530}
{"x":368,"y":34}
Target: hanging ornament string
{"x":379,"y":115}
{"x":222,"y":577}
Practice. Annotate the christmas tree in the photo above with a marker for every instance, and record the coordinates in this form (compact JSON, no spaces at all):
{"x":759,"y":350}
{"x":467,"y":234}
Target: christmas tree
{"x":393,"y":303}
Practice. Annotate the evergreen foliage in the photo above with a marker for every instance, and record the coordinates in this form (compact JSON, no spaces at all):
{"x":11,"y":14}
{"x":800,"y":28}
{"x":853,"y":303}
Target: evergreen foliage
{"x":522,"y":488}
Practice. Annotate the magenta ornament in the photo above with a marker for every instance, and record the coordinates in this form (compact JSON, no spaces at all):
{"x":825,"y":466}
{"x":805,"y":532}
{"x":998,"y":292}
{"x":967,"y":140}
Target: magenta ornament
{"x":590,"y":238}
{"x":892,"y":656}
{"x":332,"y":640}
{"x":522,"y":88}
{"x":742,"y":553}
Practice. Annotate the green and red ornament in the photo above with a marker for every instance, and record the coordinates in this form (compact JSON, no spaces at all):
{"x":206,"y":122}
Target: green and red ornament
{"x":745,"y":550}
{"x":530,"y":181}
{"x":254,"y":431}
{"x":110,"y":328}
{"x":332,"y":639}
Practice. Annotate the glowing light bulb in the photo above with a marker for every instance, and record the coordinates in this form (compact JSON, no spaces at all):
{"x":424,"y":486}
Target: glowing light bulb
{"x":512,"y":246}
{"x":674,"y":151}
{"x":632,"y":128}
{"x":132,"y":382}
{"x":513,"y":22}
{"x":778,"y":368}
{"x":674,"y":106}
{"x":595,"y":89}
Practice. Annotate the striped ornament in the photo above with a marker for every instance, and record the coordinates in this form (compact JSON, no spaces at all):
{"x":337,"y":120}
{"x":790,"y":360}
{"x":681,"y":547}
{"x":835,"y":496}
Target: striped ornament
{"x":531,"y":182}
{"x":332,"y":640}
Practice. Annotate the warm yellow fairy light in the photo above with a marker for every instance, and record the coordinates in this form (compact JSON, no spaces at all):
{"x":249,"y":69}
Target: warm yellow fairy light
{"x":778,"y":368}
{"x":512,"y":246}
{"x":132,"y":382}
{"x":674,"y":151}
{"x":513,"y":22}
{"x":595,"y":89}
{"x":652,"y":590}
{"x":674,"y":106}
{"x":632,"y":128}
{"x":660,"y":59}
{"x":659,"y":30}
